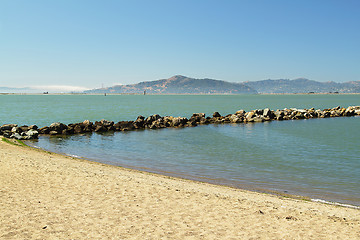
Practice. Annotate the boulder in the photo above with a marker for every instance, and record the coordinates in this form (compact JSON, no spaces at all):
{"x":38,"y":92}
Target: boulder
{"x":191,"y":124}
{"x":32,"y":134}
{"x":299,"y":115}
{"x":100,"y":128}
{"x":106,"y":123}
{"x":250,"y":115}
{"x":16,"y":130}
{"x":259,"y":111}
{"x":139,"y":122}
{"x":78,"y":128}
{"x":7,"y":134}
{"x":7,"y":127}
{"x":68,"y":131}
{"x":17,"y":136}
{"x":267,"y":113}
{"x":240,"y":113}
{"x":205,"y":120}
{"x":167,"y":121}
{"x":179,"y":121}
{"x":235,"y":118}
{"x":150,"y":119}
{"x":216,"y":114}
{"x":87,"y":123}
{"x":326,"y":115}
{"x":257,"y":119}
{"x":33,"y":127}
{"x":349,"y":112}
{"x":124,"y":126}
{"x":24,"y":128}
{"x":57,"y":127}
{"x":197,"y":117}
{"x":157,"y":124}
{"x":44,"y":130}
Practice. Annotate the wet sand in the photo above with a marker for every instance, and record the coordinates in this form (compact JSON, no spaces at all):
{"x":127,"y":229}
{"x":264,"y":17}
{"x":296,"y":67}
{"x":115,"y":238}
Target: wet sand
{"x":49,"y":196}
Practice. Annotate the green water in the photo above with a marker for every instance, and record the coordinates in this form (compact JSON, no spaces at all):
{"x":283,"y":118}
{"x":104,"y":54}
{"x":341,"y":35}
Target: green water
{"x":319,"y":158}
{"x":45,"y":109}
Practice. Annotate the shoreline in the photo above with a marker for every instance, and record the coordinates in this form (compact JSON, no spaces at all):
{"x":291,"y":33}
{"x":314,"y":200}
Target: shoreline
{"x":212,"y":181}
{"x":48,"y":195}
{"x":179,"y":94}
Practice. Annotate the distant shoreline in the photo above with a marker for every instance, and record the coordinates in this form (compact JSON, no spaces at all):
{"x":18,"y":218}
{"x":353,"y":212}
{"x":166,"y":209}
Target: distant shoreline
{"x":158,"y":94}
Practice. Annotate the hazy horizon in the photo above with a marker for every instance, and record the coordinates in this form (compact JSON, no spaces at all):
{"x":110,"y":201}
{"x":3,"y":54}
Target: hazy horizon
{"x":79,"y":89}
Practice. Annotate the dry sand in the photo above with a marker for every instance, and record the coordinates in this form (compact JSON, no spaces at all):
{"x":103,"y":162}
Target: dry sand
{"x":50,"y":196}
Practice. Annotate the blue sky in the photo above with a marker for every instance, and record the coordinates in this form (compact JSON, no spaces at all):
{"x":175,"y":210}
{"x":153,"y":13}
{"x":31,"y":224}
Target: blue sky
{"x":93,"y":43}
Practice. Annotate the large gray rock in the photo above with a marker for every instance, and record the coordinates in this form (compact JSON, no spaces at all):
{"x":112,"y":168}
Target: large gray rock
{"x":267,"y":113}
{"x":87,"y":122}
{"x":149,"y":120}
{"x":6,"y":134}
{"x":235,"y":119}
{"x":32,"y":134}
{"x":250,"y":115}
{"x":179,"y":121}
{"x":16,"y":130}
{"x":57,"y":126}
{"x":106,"y":123}
{"x":34,"y":127}
{"x":216,"y":114}
{"x":7,"y":127}
{"x":240,"y":112}
{"x":139,"y":122}
{"x":17,"y":136}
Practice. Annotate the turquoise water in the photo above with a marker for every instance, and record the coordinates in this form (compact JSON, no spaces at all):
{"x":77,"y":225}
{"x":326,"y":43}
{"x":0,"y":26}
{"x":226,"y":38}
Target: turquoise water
{"x":319,"y":158}
{"x":46,"y":109}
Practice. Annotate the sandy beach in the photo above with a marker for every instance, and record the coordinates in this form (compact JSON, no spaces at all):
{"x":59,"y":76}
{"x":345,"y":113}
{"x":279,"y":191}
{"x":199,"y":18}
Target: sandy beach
{"x":49,"y":196}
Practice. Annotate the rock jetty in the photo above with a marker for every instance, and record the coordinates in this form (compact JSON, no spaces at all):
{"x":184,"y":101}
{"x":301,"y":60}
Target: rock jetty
{"x":157,"y":122}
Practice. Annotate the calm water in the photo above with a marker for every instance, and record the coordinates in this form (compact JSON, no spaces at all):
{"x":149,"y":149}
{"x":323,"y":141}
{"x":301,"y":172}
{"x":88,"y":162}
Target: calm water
{"x":46,"y":109}
{"x":319,"y":158}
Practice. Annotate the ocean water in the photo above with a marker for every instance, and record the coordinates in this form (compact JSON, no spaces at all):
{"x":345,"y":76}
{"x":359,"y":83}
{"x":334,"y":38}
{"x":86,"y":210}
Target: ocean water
{"x":46,"y":109}
{"x":318,"y":158}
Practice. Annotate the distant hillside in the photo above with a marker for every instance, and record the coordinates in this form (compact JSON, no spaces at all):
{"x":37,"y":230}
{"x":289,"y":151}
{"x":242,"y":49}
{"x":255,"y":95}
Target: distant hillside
{"x":180,"y":85}
{"x":16,"y":90}
{"x":302,"y":85}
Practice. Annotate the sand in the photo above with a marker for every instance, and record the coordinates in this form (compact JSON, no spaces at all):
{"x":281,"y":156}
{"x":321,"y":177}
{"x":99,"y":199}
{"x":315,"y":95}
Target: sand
{"x":50,"y":196}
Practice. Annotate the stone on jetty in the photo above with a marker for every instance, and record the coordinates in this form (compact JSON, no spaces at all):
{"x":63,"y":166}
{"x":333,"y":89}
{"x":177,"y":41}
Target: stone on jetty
{"x":234,"y":118}
{"x":7,"y":127}
{"x":197,"y":118}
{"x":179,"y":121}
{"x":124,"y":126}
{"x":44,"y":130}
{"x":32,"y":134}
{"x":20,"y":133}
{"x":139,"y":123}
{"x":57,"y":128}
{"x":216,"y":115}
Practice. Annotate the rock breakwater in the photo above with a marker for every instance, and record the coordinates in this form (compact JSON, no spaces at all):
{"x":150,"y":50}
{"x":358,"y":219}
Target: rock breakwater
{"x":156,"y":121}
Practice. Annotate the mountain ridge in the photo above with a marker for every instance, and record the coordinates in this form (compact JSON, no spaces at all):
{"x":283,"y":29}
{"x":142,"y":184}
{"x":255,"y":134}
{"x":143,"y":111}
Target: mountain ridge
{"x":179,"y":84}
{"x":303,"y":85}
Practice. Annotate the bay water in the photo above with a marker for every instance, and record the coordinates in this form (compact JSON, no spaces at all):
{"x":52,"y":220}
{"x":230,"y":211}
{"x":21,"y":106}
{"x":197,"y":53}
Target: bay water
{"x":317,"y":158}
